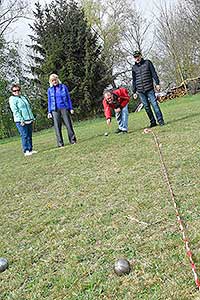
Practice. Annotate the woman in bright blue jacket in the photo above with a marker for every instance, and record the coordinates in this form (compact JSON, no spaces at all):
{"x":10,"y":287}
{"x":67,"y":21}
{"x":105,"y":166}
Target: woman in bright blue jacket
{"x":60,"y":108}
{"x":23,"y":118}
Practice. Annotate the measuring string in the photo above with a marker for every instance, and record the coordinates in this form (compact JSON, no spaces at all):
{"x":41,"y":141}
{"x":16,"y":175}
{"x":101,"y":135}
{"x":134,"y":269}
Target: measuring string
{"x":179,"y":220}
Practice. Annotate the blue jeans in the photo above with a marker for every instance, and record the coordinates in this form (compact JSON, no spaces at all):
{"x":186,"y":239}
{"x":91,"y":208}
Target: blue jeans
{"x":148,"y":99}
{"x":122,"y":118}
{"x":26,"y":136}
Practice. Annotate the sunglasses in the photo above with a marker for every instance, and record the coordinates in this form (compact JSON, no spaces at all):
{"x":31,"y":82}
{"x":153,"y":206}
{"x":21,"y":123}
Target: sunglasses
{"x":15,"y":91}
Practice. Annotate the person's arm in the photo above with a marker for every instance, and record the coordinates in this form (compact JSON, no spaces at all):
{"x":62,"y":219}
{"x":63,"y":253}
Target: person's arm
{"x":68,"y":99}
{"x":134,"y":81}
{"x":49,"y":100}
{"x":125,"y":98}
{"x":154,"y":73}
{"x":134,"y":84}
{"x":15,"y":110}
{"x":107,"y":112}
{"x":49,"y":115}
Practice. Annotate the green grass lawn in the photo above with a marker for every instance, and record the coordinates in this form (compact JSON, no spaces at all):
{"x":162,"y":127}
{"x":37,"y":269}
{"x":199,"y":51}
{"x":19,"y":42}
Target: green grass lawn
{"x":68,"y":214}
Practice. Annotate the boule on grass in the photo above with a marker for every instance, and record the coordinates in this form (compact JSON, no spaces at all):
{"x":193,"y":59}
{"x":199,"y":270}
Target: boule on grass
{"x":3,"y":264}
{"x":122,"y":267}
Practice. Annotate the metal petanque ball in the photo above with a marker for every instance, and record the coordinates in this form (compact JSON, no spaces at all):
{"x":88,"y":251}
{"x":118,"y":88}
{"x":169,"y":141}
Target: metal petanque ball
{"x":3,"y":264}
{"x":106,"y":133}
{"x":122,"y":267}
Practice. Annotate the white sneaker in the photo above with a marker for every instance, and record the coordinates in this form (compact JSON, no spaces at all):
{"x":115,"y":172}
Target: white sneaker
{"x":34,"y":152}
{"x":27,"y":153}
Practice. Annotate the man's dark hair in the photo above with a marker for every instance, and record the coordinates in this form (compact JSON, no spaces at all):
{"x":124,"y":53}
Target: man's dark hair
{"x":16,"y":85}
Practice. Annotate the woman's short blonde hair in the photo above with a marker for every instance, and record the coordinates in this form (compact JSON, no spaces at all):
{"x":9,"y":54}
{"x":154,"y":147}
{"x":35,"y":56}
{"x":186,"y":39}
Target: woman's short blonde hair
{"x":53,"y":76}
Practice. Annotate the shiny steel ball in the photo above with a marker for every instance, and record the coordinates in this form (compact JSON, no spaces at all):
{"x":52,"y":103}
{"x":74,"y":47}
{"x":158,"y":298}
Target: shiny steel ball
{"x":122,"y":267}
{"x":3,"y":264}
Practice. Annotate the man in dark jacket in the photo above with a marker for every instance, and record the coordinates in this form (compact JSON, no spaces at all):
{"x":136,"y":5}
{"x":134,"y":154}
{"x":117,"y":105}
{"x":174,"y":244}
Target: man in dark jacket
{"x":144,"y":75}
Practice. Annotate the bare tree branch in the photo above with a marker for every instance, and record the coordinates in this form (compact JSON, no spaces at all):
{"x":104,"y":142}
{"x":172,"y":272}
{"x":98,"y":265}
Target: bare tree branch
{"x":11,"y":11}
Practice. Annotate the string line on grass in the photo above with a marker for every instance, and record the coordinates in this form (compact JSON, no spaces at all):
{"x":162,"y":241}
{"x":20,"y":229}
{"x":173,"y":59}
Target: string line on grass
{"x":179,"y":220}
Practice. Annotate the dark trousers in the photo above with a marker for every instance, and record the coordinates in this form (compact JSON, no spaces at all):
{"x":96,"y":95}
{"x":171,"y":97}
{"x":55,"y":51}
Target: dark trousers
{"x":59,"y":116}
{"x":25,"y":132}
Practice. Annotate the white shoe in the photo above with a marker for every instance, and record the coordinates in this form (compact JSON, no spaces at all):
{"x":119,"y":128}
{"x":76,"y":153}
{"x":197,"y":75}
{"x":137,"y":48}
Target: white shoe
{"x":34,"y":152}
{"x":27,"y":153}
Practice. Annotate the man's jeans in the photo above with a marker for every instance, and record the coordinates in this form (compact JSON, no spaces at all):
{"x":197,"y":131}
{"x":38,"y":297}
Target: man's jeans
{"x":26,"y":136}
{"x":148,"y":99}
{"x":122,"y":118}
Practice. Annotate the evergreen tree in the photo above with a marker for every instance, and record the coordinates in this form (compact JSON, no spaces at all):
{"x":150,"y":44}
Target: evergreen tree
{"x":64,"y":44}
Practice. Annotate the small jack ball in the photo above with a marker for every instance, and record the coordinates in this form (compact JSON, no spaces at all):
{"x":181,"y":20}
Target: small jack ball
{"x":147,"y":130}
{"x":122,"y":266}
{"x":3,"y":264}
{"x":106,"y":133}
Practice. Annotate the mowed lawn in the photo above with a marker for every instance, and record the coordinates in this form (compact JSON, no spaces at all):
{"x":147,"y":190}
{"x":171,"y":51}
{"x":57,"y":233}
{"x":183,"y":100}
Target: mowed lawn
{"x":68,"y":214}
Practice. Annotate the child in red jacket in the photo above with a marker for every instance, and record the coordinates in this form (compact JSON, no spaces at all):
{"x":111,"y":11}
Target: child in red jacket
{"x":118,"y":101}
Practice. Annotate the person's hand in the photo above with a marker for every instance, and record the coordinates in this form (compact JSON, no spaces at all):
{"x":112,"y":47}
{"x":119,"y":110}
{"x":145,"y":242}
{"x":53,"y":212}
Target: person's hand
{"x":71,"y":111}
{"x":117,"y":110}
{"x":22,"y":123}
{"x":158,"y":88}
{"x":49,"y":116}
{"x":108,"y":121}
{"x":135,"y":96}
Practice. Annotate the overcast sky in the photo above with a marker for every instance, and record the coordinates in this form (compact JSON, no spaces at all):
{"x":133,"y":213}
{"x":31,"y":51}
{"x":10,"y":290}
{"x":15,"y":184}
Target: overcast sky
{"x":21,"y":29}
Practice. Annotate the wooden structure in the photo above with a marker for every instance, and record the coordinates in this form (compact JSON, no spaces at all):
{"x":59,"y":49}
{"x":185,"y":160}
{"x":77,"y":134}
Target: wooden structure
{"x":189,"y":86}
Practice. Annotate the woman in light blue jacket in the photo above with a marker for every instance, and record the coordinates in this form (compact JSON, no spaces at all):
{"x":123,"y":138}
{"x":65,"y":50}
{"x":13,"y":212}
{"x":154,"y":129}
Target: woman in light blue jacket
{"x":23,"y":118}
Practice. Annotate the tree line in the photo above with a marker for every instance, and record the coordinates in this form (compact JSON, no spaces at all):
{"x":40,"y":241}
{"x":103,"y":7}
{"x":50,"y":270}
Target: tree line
{"x":89,"y":44}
